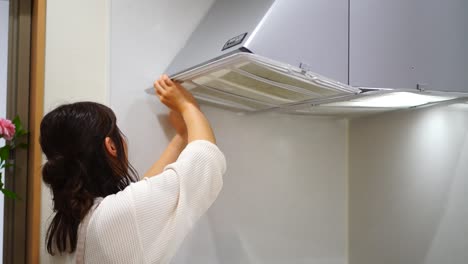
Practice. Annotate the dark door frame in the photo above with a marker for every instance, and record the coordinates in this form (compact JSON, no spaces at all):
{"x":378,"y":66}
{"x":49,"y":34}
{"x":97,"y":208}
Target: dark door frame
{"x":25,"y":90}
{"x":16,"y":179}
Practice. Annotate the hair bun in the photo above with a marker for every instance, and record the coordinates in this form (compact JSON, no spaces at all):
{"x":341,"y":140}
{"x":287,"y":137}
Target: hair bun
{"x":54,"y":170}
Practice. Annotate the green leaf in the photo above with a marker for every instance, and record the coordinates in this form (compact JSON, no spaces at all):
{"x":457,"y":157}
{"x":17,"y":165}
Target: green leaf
{"x":5,"y":152}
{"x":17,"y":123}
{"x":9,"y":194}
{"x":20,"y":133}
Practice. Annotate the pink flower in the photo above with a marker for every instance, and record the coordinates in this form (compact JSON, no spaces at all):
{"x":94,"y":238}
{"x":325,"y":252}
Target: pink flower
{"x":7,"y":129}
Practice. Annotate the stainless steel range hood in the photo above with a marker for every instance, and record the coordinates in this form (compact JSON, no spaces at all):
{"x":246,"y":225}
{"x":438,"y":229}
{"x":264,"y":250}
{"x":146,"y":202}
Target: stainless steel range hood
{"x":286,"y":55}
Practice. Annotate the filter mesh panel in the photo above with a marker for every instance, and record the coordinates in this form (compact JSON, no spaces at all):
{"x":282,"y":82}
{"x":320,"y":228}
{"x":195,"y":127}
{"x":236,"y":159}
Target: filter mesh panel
{"x":245,"y":91}
{"x":282,"y":78}
{"x":256,"y":83}
{"x":204,"y":92}
{"x":262,"y":87}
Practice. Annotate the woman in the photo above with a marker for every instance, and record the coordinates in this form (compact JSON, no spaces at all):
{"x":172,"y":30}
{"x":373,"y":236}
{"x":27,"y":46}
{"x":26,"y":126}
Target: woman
{"x":103,"y":214}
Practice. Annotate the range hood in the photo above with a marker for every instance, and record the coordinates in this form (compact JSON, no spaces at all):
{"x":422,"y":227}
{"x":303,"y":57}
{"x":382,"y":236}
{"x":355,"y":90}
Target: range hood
{"x":286,"y":55}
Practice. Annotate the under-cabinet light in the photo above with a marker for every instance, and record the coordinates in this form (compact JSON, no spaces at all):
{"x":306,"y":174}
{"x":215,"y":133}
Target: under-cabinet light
{"x":392,"y":100}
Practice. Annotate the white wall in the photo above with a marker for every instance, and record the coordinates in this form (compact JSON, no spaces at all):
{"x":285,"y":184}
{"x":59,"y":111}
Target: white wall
{"x":4,"y":8}
{"x":284,"y":198}
{"x":285,"y":193}
{"x":409,"y":186}
{"x":145,"y":36}
{"x":77,"y":35}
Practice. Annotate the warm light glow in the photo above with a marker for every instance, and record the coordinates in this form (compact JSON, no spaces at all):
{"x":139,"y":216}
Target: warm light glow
{"x":392,"y":100}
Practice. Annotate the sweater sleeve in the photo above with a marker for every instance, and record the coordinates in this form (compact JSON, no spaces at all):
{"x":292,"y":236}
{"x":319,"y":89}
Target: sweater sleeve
{"x":148,"y":220}
{"x":168,"y":205}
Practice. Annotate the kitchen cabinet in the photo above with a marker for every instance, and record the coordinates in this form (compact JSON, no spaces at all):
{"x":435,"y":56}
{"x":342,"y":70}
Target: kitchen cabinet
{"x":403,"y":43}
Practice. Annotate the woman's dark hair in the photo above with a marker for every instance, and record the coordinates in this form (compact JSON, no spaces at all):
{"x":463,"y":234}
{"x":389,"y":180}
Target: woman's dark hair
{"x":79,"y":167}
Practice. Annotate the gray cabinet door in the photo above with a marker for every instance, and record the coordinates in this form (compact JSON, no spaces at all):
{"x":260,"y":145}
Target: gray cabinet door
{"x":402,"y":43}
{"x":442,"y":38}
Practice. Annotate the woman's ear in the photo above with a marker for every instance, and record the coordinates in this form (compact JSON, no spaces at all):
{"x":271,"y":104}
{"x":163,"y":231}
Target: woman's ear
{"x":110,"y":146}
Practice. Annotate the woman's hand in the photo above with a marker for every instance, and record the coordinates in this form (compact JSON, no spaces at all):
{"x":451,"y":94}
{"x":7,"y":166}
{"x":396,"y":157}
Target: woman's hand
{"x":173,"y":95}
{"x":178,"y":124}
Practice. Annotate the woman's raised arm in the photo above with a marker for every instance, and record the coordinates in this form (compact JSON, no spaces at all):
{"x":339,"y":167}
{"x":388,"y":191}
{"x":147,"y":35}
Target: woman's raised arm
{"x":174,"y":96}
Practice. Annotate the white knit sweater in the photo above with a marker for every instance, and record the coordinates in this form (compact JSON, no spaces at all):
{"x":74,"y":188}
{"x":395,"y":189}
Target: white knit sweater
{"x":148,"y":220}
